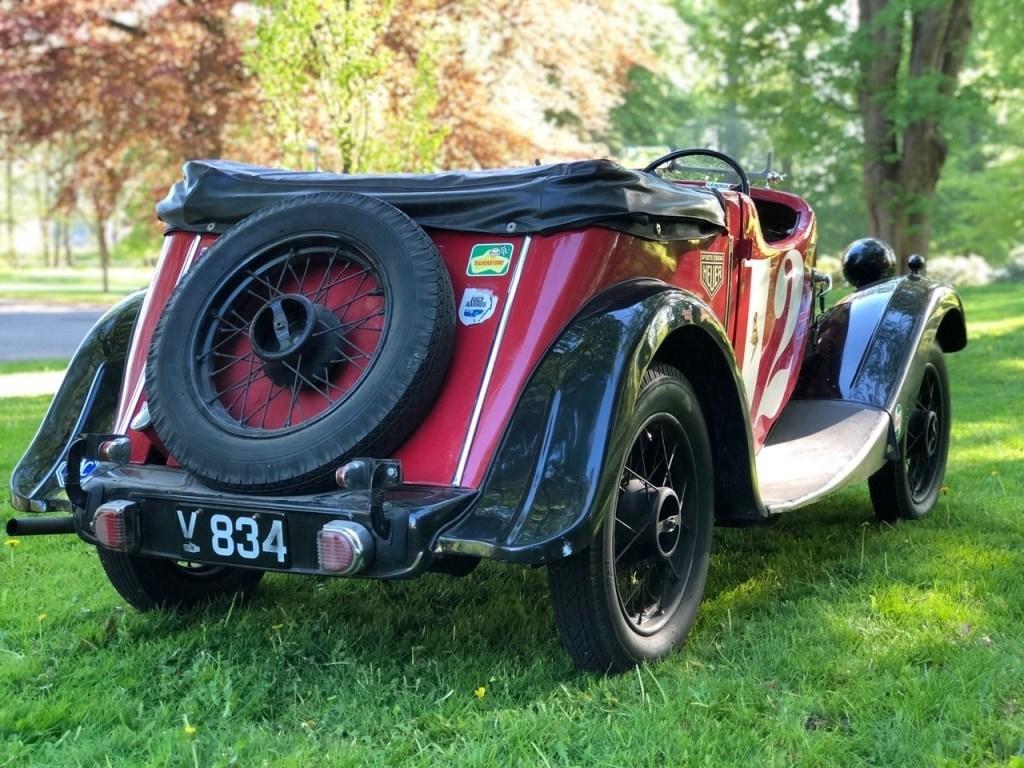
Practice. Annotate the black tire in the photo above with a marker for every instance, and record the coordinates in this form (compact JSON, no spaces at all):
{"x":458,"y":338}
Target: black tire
{"x":391,"y":390}
{"x":598,"y":627}
{"x":148,"y":583}
{"x":908,"y":487}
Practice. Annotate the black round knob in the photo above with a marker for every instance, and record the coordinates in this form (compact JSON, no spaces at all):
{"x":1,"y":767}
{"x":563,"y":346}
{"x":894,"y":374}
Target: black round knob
{"x":915,"y":263}
{"x":867,"y":261}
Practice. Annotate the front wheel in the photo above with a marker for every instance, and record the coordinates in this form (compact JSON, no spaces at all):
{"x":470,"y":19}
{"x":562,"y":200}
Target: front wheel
{"x":633,"y":595}
{"x":147,"y":583}
{"x":908,"y":487}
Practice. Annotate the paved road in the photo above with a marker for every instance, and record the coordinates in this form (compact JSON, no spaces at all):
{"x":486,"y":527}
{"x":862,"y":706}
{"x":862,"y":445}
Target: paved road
{"x":39,"y":331}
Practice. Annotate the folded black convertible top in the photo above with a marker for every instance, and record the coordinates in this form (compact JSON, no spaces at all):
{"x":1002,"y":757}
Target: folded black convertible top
{"x":215,"y":194}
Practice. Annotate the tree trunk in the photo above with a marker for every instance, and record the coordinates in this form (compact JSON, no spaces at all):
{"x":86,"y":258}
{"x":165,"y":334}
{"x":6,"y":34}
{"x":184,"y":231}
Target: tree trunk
{"x":104,"y":250}
{"x":65,"y":244}
{"x":903,"y":159}
{"x":12,"y":254}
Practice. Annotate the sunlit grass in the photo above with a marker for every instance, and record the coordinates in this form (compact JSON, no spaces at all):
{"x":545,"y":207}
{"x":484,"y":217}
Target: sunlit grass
{"x":71,"y":285}
{"x":825,"y":640}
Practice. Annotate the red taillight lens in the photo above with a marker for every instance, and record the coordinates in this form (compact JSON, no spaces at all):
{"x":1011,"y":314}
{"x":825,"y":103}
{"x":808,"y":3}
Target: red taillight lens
{"x":115,"y":525}
{"x":343,"y":547}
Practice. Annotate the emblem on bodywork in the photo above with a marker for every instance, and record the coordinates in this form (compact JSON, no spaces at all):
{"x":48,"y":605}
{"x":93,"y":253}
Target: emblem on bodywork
{"x":478,"y":304}
{"x":712,"y":271}
{"x":489,"y":260}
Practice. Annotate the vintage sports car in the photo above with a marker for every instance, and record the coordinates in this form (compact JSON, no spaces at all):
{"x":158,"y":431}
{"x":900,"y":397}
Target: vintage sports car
{"x":576,"y":365}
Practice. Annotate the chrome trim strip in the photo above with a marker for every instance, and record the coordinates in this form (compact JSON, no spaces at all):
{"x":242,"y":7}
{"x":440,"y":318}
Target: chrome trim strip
{"x":474,"y":420}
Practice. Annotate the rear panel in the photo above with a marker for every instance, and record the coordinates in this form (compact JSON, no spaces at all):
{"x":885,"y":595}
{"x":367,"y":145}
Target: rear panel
{"x":513,"y":295}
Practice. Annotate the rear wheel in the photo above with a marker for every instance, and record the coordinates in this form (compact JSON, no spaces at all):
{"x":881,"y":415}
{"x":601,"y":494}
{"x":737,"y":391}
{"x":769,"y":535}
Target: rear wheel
{"x":908,"y":487}
{"x":148,"y":583}
{"x":633,"y":595}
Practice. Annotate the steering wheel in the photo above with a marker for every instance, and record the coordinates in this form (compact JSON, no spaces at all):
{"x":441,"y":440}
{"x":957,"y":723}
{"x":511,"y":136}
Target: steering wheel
{"x":671,"y":157}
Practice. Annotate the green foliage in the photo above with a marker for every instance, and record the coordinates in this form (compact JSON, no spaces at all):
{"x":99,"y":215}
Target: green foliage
{"x":980,"y":201}
{"x":327,"y":76}
{"x":760,"y":78}
{"x":783,"y":77}
{"x":824,"y":640}
{"x":654,"y":112}
{"x":140,"y":246}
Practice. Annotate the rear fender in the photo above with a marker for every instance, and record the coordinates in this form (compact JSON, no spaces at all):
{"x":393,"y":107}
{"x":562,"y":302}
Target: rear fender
{"x":85,"y":402}
{"x":555,"y":473}
{"x":871,"y":347}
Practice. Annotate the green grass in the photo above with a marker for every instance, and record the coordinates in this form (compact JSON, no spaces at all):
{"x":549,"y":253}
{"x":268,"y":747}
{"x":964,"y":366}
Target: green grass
{"x":71,"y":285}
{"x":33,"y":366}
{"x":824,"y":640}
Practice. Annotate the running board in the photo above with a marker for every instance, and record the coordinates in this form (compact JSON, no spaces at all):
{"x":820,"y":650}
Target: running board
{"x":818,"y":446}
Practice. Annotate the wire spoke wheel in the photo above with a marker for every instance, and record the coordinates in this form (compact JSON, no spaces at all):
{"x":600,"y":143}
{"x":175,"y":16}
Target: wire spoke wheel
{"x":290,"y":334}
{"x":908,"y":487}
{"x":633,"y":594}
{"x":653,"y":517}
{"x":924,"y":439}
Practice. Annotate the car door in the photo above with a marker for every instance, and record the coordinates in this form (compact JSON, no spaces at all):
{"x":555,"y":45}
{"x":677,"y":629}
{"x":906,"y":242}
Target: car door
{"x":774,"y":309}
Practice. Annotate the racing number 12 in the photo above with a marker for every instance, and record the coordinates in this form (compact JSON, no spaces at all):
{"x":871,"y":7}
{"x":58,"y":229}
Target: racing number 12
{"x":249,"y":546}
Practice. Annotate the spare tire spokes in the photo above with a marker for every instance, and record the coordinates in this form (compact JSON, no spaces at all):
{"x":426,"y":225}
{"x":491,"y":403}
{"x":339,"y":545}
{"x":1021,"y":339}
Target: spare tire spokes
{"x":292,"y":334}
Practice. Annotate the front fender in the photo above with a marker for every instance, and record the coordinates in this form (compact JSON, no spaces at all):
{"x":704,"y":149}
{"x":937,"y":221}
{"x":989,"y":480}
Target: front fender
{"x":871,"y":346}
{"x":556,"y":471}
{"x":85,"y":402}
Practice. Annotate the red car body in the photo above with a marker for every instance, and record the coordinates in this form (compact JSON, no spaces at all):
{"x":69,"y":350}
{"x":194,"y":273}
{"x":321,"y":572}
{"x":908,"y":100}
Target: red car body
{"x":549,"y":280}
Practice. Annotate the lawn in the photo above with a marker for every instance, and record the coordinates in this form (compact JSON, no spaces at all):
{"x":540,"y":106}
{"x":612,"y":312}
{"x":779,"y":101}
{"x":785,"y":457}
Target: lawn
{"x":824,"y":640}
{"x":71,"y":285}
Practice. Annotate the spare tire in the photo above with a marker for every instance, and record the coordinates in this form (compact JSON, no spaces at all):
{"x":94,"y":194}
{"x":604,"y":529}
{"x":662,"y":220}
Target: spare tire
{"x":315,"y":331}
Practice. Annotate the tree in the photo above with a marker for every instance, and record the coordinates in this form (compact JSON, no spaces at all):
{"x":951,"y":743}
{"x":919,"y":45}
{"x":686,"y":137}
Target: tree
{"x":980,"y":198}
{"x":910,"y":57}
{"x":445,"y":82}
{"x":857,"y":107}
{"x":776,"y":77}
{"x":12,"y":253}
{"x":125,"y":89}
{"x":328,"y":78}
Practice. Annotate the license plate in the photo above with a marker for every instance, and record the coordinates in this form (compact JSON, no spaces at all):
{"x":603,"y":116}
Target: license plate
{"x":247,"y":538}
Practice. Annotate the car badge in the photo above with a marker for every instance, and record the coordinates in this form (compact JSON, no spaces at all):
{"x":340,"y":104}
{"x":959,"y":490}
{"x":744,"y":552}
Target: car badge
{"x":477,"y":306}
{"x":489,"y":259}
{"x":712,"y":271}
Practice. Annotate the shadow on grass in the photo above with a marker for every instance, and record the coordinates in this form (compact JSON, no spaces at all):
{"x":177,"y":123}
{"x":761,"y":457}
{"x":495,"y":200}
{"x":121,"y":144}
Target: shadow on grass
{"x":502,"y":612}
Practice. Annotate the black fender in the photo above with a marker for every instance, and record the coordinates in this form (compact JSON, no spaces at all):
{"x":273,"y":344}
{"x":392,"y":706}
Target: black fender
{"x":86,"y":401}
{"x":555,"y":472}
{"x":870,"y":348}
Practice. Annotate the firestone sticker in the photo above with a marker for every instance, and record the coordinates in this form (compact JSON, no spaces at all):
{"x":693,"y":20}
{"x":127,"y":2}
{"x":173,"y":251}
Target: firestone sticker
{"x":489,"y":259}
{"x":477,"y":306}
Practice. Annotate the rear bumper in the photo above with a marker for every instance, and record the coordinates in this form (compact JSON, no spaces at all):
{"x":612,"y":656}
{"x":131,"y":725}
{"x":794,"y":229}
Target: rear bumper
{"x":417,"y":515}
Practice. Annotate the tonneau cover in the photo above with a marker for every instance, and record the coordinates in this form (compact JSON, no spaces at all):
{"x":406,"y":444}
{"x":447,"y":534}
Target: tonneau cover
{"x":215,"y":194}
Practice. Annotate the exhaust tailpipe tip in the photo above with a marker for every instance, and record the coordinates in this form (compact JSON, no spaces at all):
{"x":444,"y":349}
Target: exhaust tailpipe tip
{"x":40,"y":526}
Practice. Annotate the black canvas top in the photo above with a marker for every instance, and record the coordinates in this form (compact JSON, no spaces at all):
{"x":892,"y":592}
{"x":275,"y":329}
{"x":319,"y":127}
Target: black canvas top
{"x":216,"y":194}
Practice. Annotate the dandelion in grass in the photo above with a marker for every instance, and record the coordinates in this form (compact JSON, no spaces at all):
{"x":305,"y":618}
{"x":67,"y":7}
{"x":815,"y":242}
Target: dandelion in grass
{"x":480,"y":692}
{"x":188,"y":729}
{"x":11,"y":544}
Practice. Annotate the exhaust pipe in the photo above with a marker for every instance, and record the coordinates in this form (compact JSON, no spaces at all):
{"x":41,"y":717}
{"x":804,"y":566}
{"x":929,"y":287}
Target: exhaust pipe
{"x":40,"y":526}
